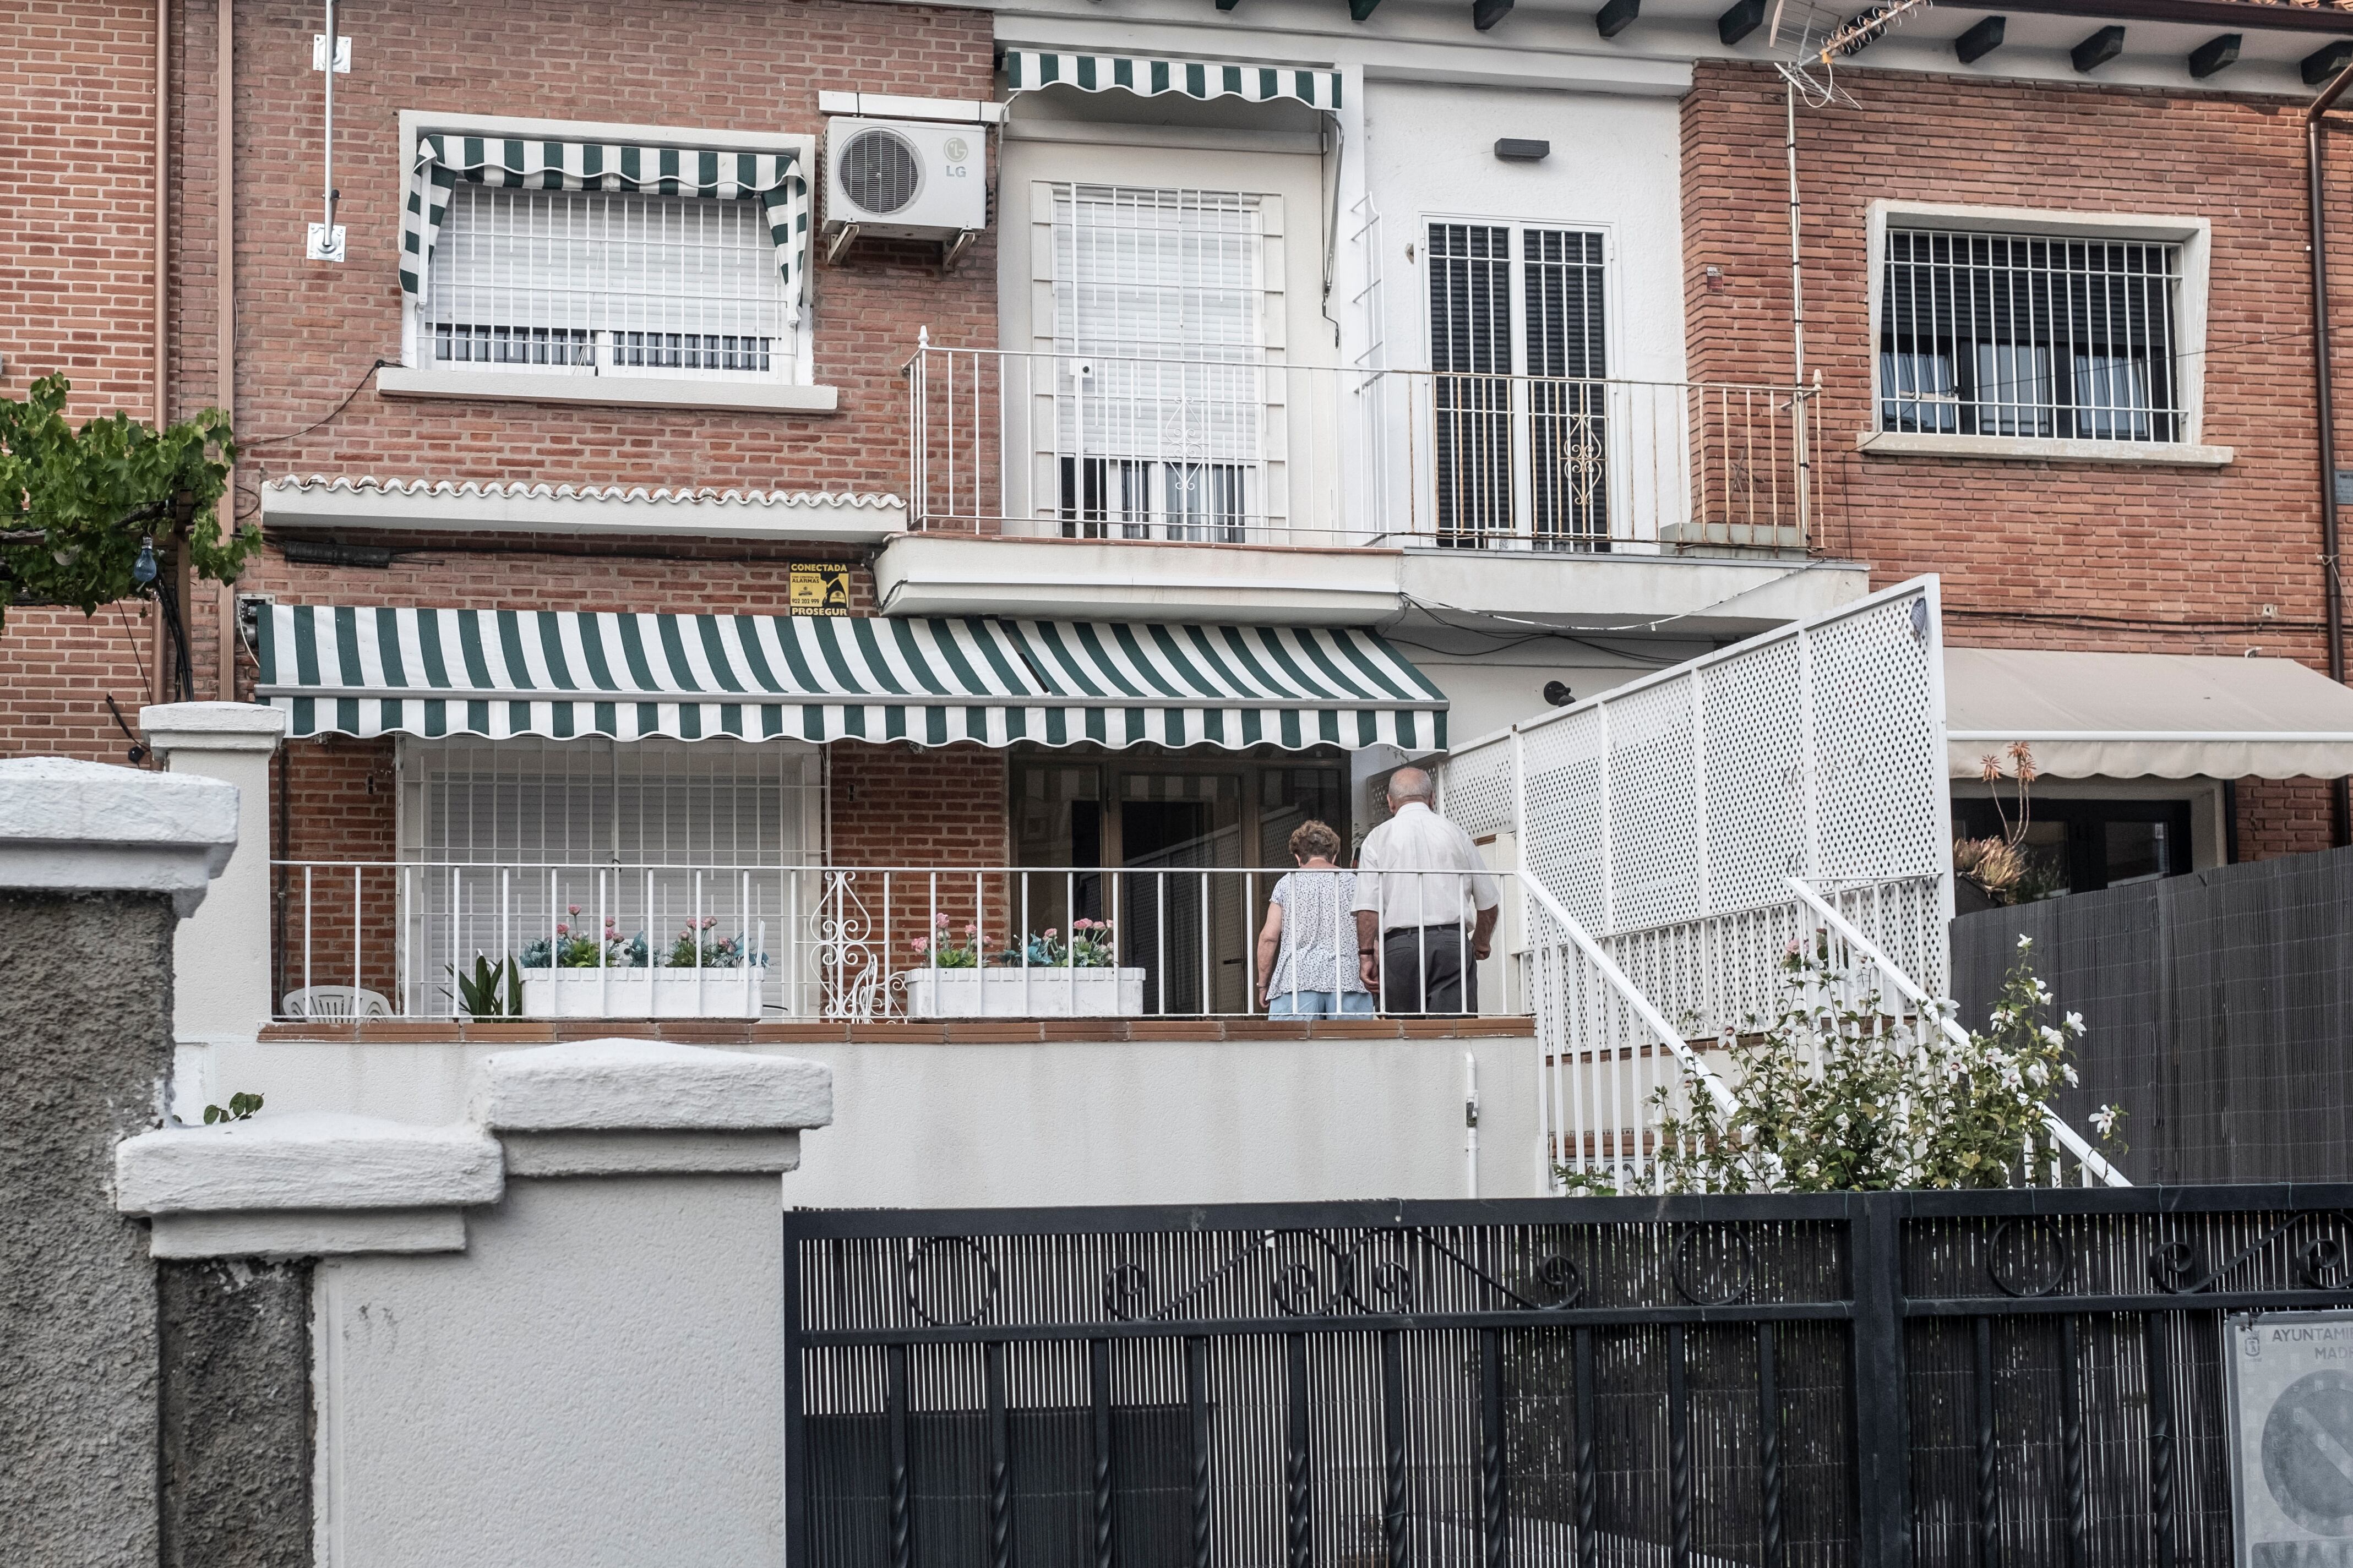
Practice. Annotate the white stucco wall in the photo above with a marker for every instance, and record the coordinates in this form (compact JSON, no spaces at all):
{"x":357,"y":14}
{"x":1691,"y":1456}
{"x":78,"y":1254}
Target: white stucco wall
{"x":596,"y":1382}
{"x":1615,"y":166}
{"x":923,"y":1125}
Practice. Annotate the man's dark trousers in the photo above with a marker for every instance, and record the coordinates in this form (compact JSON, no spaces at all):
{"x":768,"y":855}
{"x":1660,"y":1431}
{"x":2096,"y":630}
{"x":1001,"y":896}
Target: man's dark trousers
{"x":1423,"y":973}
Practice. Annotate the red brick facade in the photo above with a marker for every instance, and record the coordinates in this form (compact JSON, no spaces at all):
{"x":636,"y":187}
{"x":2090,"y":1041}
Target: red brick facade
{"x":2048,"y":553}
{"x":76,"y":296}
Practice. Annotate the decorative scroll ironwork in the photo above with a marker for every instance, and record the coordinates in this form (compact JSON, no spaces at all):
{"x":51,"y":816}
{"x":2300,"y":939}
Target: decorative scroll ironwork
{"x":2059,"y":1263}
{"x":2320,"y":1261}
{"x":920,"y":1279}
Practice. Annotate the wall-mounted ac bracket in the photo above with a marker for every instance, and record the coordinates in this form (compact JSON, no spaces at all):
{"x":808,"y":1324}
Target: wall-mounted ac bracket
{"x":839,"y":237}
{"x":952,"y":250}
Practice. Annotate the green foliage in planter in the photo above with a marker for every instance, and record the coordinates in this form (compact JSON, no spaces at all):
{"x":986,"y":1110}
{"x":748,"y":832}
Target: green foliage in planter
{"x":492,"y":990}
{"x":1838,"y":1094}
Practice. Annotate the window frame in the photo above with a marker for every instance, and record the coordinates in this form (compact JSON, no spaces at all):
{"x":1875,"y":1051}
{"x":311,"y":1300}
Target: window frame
{"x":1521,"y":502}
{"x":419,"y":375}
{"x":2194,"y":235}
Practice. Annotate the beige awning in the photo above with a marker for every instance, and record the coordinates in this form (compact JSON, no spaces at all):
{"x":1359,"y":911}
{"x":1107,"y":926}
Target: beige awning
{"x":2129,"y":715}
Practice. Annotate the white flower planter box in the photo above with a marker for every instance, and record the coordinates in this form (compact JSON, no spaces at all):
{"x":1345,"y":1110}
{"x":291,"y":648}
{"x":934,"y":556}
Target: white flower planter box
{"x":1024,"y":994}
{"x":641,"y":993}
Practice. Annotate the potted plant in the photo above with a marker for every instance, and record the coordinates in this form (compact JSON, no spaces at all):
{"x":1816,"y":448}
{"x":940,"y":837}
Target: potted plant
{"x":1046,"y":975}
{"x":700,"y":974}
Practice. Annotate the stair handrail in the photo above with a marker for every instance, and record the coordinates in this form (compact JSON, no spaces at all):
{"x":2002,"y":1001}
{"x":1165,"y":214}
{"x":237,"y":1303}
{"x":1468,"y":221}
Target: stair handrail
{"x":2067,"y":1137}
{"x":1654,"y":1020}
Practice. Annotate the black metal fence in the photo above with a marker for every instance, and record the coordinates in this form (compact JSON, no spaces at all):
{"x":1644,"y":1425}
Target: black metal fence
{"x":2219,"y":1007}
{"x":1954,"y":1380}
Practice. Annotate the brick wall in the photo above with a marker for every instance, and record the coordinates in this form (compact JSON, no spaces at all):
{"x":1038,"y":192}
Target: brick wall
{"x":77,"y":281}
{"x":77,"y":230}
{"x":945,"y":808}
{"x":2058,"y":554}
{"x":308,"y":332}
{"x":338,"y":798}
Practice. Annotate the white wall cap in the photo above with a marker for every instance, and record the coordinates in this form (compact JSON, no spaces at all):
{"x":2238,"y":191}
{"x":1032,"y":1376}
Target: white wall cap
{"x":73,"y":827}
{"x":307,"y":1160}
{"x":306,"y":1233}
{"x":649,"y":1086}
{"x":212,"y":727}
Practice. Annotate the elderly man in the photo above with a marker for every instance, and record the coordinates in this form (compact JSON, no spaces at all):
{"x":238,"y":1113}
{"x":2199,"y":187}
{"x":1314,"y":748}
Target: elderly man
{"x":1422,"y":896}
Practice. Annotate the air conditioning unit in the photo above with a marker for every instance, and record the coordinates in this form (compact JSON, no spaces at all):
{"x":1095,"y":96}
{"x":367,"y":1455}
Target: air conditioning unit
{"x":905,"y":179}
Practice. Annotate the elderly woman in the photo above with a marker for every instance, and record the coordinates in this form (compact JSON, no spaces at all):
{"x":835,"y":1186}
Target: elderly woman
{"x":1307,"y":953}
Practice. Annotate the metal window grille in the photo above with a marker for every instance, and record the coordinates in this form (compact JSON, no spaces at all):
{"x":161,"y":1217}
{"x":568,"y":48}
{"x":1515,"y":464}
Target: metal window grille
{"x":1568,"y":437}
{"x":608,"y":283}
{"x":1990,"y":334}
{"x":1160,"y":338}
{"x":1471,"y":357}
{"x":1501,"y":453}
{"x":667,"y":806}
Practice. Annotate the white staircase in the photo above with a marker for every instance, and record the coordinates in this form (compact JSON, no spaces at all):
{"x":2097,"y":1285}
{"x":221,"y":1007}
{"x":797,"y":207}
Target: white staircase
{"x":1675,"y":835}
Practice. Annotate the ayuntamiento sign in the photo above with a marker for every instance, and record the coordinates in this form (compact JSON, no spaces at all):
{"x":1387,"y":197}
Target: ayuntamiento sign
{"x":2291,"y":1376}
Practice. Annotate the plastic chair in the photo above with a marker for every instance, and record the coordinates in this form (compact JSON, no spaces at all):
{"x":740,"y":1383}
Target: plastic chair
{"x":335,"y":1002}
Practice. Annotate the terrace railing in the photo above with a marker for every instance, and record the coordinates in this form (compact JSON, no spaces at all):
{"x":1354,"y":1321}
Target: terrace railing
{"x":1248,"y":450}
{"x":420,"y":940}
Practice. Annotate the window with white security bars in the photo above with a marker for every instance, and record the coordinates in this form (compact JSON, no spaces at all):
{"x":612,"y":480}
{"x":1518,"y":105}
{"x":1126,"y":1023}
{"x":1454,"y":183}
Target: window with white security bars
{"x":1519,"y":416}
{"x":655,"y":843}
{"x":1162,"y":401}
{"x":2031,"y":336}
{"x":608,"y":283}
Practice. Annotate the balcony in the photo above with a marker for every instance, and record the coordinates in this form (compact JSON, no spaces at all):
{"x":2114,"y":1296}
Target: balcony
{"x":449,"y":941}
{"x":1243,"y":491}
{"x":1242,"y":450}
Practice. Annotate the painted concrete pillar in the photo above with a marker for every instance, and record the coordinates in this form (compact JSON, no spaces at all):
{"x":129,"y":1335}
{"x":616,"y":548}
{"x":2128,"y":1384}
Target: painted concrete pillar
{"x":221,"y":956}
{"x":97,"y":864}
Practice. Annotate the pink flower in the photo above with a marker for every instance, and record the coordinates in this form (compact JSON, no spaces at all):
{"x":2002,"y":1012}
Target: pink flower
{"x":919,"y":944}
{"x":971,"y":930}
{"x":564,"y":931}
{"x":571,"y":908}
{"x":1793,"y":948}
{"x":1051,"y":933}
{"x":940,"y":921}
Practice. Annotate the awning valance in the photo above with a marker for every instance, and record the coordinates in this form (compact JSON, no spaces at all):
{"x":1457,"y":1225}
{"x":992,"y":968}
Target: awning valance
{"x":2130,"y":715}
{"x":1148,"y":76}
{"x":776,"y":180}
{"x":361,"y":671}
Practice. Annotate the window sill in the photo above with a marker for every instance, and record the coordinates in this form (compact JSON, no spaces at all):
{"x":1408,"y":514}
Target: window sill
{"x":2025,"y":448}
{"x":614,"y":391}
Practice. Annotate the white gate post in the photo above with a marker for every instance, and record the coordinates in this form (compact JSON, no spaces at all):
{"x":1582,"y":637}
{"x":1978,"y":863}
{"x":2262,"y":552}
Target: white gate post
{"x":221,"y":953}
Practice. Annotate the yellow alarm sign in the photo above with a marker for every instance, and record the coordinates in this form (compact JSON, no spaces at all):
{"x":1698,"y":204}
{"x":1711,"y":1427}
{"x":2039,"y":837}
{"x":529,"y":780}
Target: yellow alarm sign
{"x":820,"y":588}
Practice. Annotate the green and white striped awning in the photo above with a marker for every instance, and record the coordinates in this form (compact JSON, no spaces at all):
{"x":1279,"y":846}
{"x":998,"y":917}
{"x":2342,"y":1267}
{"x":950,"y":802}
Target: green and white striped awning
{"x":776,"y":180}
{"x":1148,"y":76}
{"x":501,"y":673}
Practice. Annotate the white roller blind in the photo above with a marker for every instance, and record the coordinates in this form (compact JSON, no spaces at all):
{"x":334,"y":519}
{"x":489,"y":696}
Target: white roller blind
{"x":607,"y":282}
{"x":1161,"y":337}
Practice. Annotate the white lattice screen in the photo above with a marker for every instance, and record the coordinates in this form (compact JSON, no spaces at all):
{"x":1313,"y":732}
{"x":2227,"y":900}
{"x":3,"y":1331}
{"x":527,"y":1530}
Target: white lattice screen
{"x":1814,"y":751}
{"x":1679,"y":833}
{"x":608,"y":283}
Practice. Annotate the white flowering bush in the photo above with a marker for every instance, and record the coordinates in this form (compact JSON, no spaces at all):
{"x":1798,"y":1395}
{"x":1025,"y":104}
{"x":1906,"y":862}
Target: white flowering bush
{"x":1840,"y":1094}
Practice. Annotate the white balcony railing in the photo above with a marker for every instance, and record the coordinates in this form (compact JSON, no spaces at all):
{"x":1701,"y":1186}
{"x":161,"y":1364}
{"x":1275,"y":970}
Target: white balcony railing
{"x":414,"y":939}
{"x":1244,"y":449}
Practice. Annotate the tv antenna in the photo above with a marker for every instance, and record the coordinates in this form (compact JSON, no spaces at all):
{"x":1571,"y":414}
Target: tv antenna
{"x":1813,"y":40}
